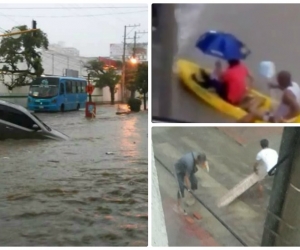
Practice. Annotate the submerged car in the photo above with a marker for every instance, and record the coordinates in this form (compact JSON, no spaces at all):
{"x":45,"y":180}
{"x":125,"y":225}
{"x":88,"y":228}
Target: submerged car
{"x":16,"y":122}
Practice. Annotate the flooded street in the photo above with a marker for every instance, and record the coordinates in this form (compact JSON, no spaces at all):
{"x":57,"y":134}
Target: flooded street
{"x":72,"y":193}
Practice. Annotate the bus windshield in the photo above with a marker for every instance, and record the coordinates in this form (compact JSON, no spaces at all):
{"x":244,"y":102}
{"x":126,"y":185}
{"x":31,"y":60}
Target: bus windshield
{"x":44,"y":87}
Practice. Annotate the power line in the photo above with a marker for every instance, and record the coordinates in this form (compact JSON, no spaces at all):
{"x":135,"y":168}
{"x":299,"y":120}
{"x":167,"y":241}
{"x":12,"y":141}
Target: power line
{"x":9,"y":17}
{"x":69,"y":7}
{"x":107,"y":23}
{"x":120,"y":13}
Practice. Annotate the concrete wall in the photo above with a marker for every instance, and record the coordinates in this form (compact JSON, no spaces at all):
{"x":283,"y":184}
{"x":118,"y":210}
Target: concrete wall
{"x":103,"y":95}
{"x":159,"y":232}
{"x":271,"y":31}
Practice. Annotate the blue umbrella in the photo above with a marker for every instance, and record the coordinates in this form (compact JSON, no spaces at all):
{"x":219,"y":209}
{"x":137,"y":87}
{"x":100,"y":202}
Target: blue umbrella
{"x":222,"y":45}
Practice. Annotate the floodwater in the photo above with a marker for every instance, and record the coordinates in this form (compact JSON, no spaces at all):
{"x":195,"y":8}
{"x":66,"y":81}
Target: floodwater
{"x":72,"y":193}
{"x":252,"y":23}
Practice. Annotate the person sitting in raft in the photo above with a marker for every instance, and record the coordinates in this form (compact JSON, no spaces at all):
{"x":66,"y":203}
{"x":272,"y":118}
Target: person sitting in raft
{"x":288,"y":108}
{"x":238,"y":81}
{"x":217,"y":72}
{"x":209,"y":79}
{"x":231,"y":85}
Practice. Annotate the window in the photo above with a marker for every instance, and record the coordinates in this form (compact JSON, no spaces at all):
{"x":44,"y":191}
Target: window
{"x":16,"y":117}
{"x":69,"y":87}
{"x":62,"y":88}
{"x":2,"y":112}
{"x":74,"y":87}
{"x":79,"y":86}
{"x":83,"y":87}
{"x":78,"y":90}
{"x":49,"y":81}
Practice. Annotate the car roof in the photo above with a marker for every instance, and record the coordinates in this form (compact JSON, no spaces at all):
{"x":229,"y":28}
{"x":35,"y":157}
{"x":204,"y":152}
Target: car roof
{"x":13,"y":105}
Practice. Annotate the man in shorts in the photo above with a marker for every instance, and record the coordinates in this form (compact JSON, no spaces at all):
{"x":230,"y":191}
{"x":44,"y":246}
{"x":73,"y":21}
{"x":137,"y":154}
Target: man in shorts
{"x":185,"y":169}
{"x":266,"y":159}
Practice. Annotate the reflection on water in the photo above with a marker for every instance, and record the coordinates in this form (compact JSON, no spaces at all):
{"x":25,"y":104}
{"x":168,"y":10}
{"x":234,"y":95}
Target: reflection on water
{"x":72,"y":193}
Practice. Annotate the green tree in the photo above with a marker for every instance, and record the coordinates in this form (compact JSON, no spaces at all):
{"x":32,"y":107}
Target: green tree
{"x":141,"y":81}
{"x":104,"y":77}
{"x":20,"y":58}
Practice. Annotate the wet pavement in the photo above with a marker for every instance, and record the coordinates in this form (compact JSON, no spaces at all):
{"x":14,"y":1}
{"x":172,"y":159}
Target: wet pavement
{"x":252,"y":23}
{"x":230,"y":162}
{"x":72,"y":193}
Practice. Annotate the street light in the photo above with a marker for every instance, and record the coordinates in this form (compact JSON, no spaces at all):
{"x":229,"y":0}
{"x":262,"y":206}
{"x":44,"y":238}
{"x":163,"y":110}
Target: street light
{"x":133,"y":60}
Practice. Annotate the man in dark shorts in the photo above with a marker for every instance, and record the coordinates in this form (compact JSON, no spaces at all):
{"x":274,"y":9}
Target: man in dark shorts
{"x":185,"y":169}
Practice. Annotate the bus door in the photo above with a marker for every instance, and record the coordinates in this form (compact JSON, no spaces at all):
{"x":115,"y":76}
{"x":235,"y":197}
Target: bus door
{"x":76,"y":89}
{"x":62,"y":93}
{"x":69,"y":96}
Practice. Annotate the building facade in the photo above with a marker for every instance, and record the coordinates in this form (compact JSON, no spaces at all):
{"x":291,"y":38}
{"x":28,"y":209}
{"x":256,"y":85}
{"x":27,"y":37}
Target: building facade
{"x":58,"y":60}
{"x":141,"y":51}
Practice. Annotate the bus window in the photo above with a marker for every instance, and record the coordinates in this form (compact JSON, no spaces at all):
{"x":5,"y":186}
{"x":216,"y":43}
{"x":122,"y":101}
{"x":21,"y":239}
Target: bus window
{"x":74,"y":87}
{"x":79,"y":87}
{"x":62,"y":88}
{"x":84,"y":87}
{"x":69,"y":87}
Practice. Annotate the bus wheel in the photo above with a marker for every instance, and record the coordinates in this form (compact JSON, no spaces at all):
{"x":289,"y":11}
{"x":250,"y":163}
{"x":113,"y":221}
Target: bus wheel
{"x":62,"y":108}
{"x":78,"y":106}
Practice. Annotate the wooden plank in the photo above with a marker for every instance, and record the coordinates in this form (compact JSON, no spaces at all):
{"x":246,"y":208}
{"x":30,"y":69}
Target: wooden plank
{"x":239,"y":189}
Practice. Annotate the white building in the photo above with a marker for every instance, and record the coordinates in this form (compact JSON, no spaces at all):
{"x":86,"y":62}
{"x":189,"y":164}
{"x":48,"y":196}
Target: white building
{"x":55,"y":61}
{"x":141,"y":51}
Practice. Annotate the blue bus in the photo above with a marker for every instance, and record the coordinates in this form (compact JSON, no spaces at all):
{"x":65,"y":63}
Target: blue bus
{"x":54,"y":93}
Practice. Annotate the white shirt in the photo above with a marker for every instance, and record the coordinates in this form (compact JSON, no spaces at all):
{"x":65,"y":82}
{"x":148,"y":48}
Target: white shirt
{"x":283,"y":109}
{"x":268,"y":157}
{"x":295,"y":89}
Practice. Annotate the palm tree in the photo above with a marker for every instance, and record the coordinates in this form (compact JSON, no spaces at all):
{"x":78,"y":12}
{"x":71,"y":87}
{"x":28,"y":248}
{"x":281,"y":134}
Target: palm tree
{"x":109,"y":78}
{"x":104,"y":76}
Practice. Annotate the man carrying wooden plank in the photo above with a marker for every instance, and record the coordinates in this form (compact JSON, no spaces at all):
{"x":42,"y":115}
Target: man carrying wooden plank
{"x":185,"y":169}
{"x":266,"y":159}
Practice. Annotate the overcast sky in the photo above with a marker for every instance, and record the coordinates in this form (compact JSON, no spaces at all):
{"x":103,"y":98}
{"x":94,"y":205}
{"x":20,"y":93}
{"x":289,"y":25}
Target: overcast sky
{"x":88,"y":27}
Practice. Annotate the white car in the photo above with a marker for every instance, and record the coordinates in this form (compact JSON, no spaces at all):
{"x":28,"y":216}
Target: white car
{"x":16,"y":122}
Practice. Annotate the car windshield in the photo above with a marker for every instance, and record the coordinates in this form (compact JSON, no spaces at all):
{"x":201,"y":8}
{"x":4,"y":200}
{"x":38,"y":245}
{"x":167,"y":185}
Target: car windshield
{"x":47,"y":127}
{"x":44,"y":87}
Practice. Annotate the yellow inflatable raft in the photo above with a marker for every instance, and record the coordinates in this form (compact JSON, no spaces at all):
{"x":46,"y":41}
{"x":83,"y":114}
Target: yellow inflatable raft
{"x":185,"y":70}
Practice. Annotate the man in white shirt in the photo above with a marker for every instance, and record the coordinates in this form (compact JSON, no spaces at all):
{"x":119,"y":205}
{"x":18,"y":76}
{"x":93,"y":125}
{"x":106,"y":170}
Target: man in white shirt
{"x":266,"y":159}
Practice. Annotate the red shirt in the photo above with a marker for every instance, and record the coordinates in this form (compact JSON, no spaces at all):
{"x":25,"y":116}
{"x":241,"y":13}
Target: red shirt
{"x":235,"y":80}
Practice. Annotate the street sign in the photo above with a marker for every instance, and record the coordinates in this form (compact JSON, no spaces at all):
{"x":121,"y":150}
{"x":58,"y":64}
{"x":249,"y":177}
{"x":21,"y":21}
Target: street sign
{"x":90,"y":89}
{"x":16,"y":36}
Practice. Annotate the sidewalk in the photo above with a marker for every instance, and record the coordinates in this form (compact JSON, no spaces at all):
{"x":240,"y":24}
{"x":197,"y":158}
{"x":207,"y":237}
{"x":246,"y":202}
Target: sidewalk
{"x":245,"y":136}
{"x":229,"y":164}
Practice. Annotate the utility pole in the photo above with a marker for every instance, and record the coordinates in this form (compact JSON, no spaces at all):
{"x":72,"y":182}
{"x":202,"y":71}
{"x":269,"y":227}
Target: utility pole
{"x":52,"y":64}
{"x":17,"y":32}
{"x":288,"y":229}
{"x":164,"y":78}
{"x":283,"y":218}
{"x":134,"y":45}
{"x":138,"y":32}
{"x":124,"y":59}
